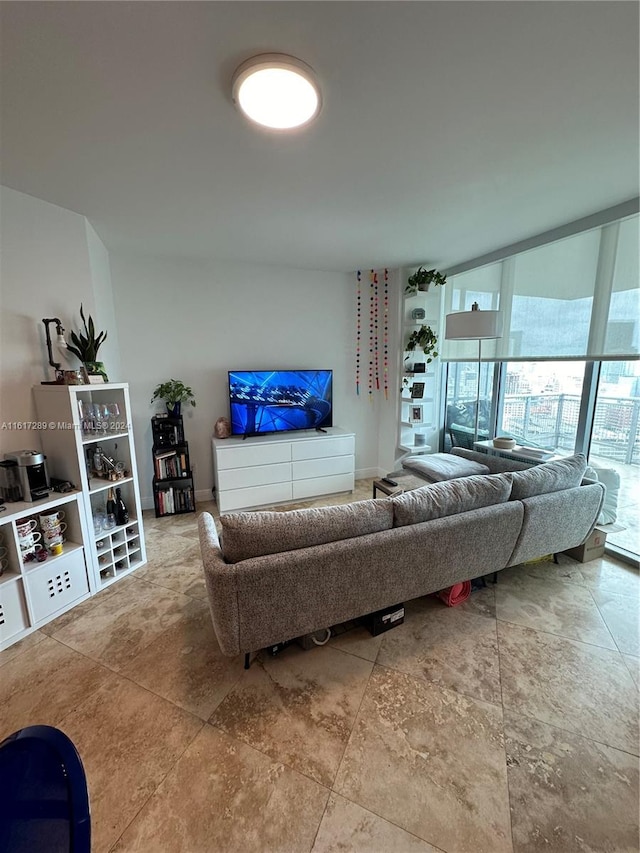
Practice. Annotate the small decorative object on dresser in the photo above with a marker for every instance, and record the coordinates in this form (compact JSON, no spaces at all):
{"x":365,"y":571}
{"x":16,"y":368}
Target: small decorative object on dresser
{"x":222,"y":428}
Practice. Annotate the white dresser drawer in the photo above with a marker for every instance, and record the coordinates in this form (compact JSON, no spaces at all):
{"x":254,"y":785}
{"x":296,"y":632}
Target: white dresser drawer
{"x":323,"y":486}
{"x":13,"y":609}
{"x":246,"y":456}
{"x":316,"y":448}
{"x":255,"y":496}
{"x":259,"y":475}
{"x":325,"y":467}
{"x":56,"y":584}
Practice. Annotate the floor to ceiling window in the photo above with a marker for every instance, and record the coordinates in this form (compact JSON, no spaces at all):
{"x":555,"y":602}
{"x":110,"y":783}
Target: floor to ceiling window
{"x":565,"y":375}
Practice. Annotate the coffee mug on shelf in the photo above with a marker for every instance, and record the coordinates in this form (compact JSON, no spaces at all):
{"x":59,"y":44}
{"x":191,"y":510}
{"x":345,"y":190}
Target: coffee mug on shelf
{"x":4,"y":564}
{"x":55,"y":549}
{"x":52,"y":532}
{"x":50,"y":520}
{"x":28,"y":541}
{"x":3,"y":551}
{"x":25,"y":527}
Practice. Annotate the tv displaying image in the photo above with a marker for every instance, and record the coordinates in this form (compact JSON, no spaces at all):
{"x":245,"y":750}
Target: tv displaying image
{"x":264,"y":401}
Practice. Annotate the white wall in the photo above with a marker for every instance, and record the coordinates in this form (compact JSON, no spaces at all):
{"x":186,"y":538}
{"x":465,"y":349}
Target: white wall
{"x":45,"y":271}
{"x":195,"y":322}
{"x":105,"y":315}
{"x":175,"y":319}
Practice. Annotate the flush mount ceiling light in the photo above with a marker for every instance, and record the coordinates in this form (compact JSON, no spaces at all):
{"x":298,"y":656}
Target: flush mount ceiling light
{"x":277,"y":91}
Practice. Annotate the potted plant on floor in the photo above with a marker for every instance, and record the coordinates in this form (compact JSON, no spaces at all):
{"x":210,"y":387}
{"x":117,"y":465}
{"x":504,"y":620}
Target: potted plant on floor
{"x":85,"y":347}
{"x":174,"y":393}
{"x":422,"y":279}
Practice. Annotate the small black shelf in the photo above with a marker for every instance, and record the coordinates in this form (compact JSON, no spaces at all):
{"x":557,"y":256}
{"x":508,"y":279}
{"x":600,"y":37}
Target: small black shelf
{"x":173,"y":492}
{"x":167,"y":432}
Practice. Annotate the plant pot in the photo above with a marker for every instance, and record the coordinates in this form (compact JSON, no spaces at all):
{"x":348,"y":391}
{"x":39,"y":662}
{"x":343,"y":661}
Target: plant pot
{"x":423,"y":288}
{"x":95,"y":368}
{"x":174,"y":409}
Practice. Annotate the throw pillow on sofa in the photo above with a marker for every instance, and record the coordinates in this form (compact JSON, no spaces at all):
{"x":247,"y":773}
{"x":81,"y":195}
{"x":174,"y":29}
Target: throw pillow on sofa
{"x":548,"y":477}
{"x":450,"y":497}
{"x":256,"y":534}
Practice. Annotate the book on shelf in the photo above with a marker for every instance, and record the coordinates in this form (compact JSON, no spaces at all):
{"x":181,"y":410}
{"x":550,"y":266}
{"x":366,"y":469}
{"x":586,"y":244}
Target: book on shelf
{"x":174,"y":500}
{"x":172,"y":465}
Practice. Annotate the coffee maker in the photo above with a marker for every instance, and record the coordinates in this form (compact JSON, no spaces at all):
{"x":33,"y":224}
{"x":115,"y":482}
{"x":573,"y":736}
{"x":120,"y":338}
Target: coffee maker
{"x":32,"y":473}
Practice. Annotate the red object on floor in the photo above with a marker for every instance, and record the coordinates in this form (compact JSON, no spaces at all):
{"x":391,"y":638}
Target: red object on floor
{"x":455,"y":594}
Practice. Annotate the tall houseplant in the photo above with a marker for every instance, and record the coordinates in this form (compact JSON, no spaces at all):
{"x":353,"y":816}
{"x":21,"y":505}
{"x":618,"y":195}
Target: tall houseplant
{"x":85,"y":347}
{"x":422,"y":278}
{"x":174,"y":393}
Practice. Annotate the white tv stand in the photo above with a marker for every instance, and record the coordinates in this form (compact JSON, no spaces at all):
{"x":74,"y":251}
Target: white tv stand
{"x":282,"y":467}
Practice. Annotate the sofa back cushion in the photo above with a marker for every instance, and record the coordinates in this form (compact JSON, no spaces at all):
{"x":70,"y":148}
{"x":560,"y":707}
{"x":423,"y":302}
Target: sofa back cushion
{"x":450,"y":497}
{"x":548,"y":477}
{"x":256,"y":534}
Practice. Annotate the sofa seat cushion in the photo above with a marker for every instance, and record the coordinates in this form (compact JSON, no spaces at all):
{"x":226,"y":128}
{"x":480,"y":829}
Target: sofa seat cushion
{"x":256,"y":534}
{"x":451,"y":497}
{"x":443,"y":466}
{"x":548,"y":477}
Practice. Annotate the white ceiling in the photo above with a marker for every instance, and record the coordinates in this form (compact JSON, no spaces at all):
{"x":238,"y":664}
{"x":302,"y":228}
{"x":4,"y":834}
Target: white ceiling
{"x":448,"y":129}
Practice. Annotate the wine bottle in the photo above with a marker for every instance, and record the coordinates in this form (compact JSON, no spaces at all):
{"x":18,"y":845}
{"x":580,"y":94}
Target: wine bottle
{"x":111,"y":503}
{"x":122,"y":513}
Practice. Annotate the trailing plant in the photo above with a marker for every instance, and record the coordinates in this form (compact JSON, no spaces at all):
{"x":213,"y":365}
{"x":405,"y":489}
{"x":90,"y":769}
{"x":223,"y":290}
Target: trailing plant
{"x":425,"y":339}
{"x":86,"y":346}
{"x":422,"y":278}
{"x":174,"y":391}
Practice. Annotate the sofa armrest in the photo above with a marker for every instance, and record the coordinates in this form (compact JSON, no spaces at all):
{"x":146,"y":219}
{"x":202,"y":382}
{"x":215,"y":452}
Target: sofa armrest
{"x":220,"y":578}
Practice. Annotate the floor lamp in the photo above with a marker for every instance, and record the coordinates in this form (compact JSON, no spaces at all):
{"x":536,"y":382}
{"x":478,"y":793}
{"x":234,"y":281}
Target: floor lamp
{"x":470,"y":326}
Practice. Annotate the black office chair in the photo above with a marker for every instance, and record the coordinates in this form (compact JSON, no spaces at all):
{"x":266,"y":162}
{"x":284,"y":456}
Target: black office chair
{"x":44,"y":802}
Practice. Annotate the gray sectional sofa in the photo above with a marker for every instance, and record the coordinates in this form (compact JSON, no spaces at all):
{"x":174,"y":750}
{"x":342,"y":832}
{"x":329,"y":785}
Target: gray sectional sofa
{"x":279,"y":575}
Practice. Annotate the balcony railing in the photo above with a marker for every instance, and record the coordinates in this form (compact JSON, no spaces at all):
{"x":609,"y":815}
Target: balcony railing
{"x":551,"y":420}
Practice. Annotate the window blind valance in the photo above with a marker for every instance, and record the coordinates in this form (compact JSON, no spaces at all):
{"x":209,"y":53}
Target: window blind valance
{"x":578,"y":297}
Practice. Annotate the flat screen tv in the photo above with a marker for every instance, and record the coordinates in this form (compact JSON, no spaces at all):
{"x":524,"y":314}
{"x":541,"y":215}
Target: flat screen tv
{"x":263,"y":401}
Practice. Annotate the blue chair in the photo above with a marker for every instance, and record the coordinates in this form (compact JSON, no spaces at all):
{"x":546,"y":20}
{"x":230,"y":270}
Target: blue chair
{"x":44,"y":802}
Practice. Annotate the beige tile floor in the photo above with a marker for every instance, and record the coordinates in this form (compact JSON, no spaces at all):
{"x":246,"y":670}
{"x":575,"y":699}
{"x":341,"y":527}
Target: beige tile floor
{"x":509,"y":723}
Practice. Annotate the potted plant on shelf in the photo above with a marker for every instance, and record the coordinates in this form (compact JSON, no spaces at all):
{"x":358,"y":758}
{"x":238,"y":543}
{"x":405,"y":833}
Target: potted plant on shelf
{"x":174,"y":393}
{"x":85,"y":347}
{"x":425,"y":339}
{"x":422,"y":278}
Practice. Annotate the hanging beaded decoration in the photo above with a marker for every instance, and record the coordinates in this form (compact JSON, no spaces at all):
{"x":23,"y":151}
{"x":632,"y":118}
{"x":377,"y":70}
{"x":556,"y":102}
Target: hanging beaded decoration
{"x":358,"y":329}
{"x":385,"y":335}
{"x":376,"y":328}
{"x":371,"y":338}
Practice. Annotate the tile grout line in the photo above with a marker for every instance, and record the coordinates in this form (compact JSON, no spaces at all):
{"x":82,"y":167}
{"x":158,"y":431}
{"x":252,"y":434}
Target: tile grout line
{"x":504,"y":733}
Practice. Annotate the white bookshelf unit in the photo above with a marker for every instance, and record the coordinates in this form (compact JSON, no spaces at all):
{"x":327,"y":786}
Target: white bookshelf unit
{"x":276,"y":468}
{"x":33,"y":593}
{"x":416,"y":436}
{"x":75,"y":430}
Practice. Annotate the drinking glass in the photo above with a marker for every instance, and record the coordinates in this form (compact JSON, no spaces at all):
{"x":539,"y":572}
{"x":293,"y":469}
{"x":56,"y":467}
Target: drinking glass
{"x":99,"y":520}
{"x":113,"y":415}
{"x":110,"y":521}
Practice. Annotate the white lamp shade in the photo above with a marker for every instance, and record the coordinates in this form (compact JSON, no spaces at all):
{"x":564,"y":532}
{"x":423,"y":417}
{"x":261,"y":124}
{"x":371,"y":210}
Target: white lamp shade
{"x":473,"y":325}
